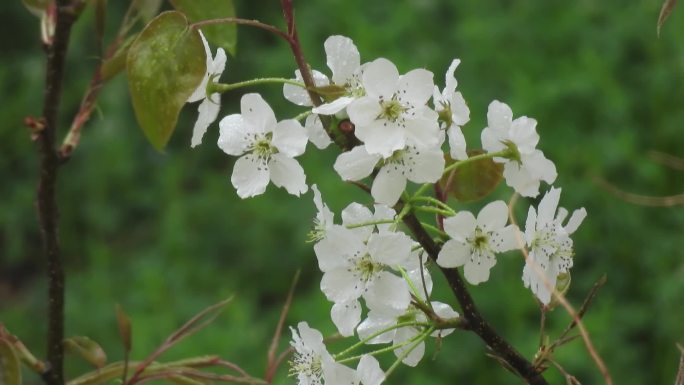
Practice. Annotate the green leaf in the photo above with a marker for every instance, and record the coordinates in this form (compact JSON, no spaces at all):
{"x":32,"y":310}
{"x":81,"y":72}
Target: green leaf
{"x":165,"y":64}
{"x":223,"y":35}
{"x":10,"y":371}
{"x":473,"y":181}
{"x":87,"y":349}
{"x":665,"y":11}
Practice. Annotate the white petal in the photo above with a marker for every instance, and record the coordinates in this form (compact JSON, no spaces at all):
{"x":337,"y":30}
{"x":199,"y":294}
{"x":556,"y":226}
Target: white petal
{"x":377,"y":321}
{"x":388,"y":291}
{"x":499,"y":116}
{"x":460,"y":226}
{"x":506,"y":239}
{"x":547,"y":207}
{"x":299,"y":95}
{"x":390,"y":248}
{"x":233,"y":139}
{"x":208,"y":111}
{"x":257,"y":114}
{"x":460,"y":113}
{"x":524,"y":134}
{"x":493,"y":216}
{"x":575,"y":220}
{"x":316,"y":132}
{"x":380,"y":78}
{"x":491,"y":140}
{"x":416,"y":86}
{"x":219,"y":64}
{"x":530,"y":225}
{"x":414,"y":357}
{"x":384,"y":212}
{"x":423,"y":131}
{"x":417,"y":280}
{"x":333,"y":107}
{"x":457,"y":143}
{"x":369,"y":371}
{"x":343,"y":58}
{"x":453,"y":254}
{"x":338,"y":374}
{"x":334,"y":250}
{"x":443,"y":311}
{"x":449,"y":78}
{"x":346,"y":315}
{"x":381,"y":137}
{"x":250,"y":176}
{"x":540,"y":167}
{"x":520,"y":179}
{"x":340,"y":285}
{"x":476,"y":273}
{"x":310,"y":337}
{"x":388,"y":185}
{"x":355,"y":164}
{"x":355,"y":214}
{"x":426,"y":166}
{"x":286,"y":172}
{"x":362,"y":111}
{"x":289,"y":137}
{"x":201,"y":90}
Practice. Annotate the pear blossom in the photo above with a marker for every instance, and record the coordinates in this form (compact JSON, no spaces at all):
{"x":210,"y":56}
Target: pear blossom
{"x":384,"y":317}
{"x":324,"y":217}
{"x":549,"y":243}
{"x":408,"y":163}
{"x":453,"y":112}
{"x":529,"y":166}
{"x":354,"y":266}
{"x":267,"y":148}
{"x":316,"y":132}
{"x":344,"y":61}
{"x":474,"y":241}
{"x":393,"y":111}
{"x":209,"y":108}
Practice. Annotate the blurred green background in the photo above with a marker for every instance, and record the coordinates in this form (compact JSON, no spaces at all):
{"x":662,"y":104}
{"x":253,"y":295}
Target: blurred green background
{"x":165,"y":235}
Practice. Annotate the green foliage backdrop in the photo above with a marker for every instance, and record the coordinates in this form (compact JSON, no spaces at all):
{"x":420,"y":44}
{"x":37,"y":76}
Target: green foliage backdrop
{"x":165,"y":234}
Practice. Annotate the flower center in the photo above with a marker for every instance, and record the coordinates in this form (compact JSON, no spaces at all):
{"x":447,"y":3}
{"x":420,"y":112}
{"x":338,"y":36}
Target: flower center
{"x":480,"y":240}
{"x":263,"y":148}
{"x":367,"y":268}
{"x":308,"y":364}
{"x":391,"y":109}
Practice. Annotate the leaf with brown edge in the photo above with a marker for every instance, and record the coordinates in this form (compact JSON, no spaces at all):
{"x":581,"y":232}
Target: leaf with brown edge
{"x":10,"y":370}
{"x":87,"y":349}
{"x":223,"y":35}
{"x":124,"y":324}
{"x":665,"y":12}
{"x":165,"y":64}
{"x":472,"y":181}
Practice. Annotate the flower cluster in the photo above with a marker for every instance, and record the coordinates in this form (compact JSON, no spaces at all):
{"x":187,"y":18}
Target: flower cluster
{"x":375,"y":274}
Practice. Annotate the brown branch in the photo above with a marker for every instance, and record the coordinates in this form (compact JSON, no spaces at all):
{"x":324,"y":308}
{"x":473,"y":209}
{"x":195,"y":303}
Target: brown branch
{"x":67,"y":13}
{"x":475,"y":321}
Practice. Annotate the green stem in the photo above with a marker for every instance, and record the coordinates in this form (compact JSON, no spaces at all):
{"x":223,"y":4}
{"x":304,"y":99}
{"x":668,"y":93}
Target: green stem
{"x":371,"y":223}
{"x":434,"y":201}
{"x":422,"y":189}
{"x":415,"y":340}
{"x":435,"y":210}
{"x":222,"y":87}
{"x":500,"y":154}
{"x":370,"y":337}
{"x":302,"y":116}
{"x":435,"y":230}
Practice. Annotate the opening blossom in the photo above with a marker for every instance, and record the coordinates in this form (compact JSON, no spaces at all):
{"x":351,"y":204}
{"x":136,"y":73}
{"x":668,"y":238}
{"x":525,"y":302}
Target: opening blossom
{"x":474,"y":241}
{"x":313,"y":365}
{"x":209,"y":108}
{"x":550,"y":246}
{"x":267,"y":148}
{"x":453,"y":112}
{"x":530,"y":166}
{"x":393,"y":111}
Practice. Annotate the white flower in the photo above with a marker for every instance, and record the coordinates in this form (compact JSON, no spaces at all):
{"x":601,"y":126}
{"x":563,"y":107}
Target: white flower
{"x":324,"y":217}
{"x":312,"y":364}
{"x":354,"y":265}
{"x":384,"y":317}
{"x":209,"y":108}
{"x":344,"y":61}
{"x":474,"y":242}
{"x":454,"y":111}
{"x":268,"y":147}
{"x":550,"y":245}
{"x":409,"y":163}
{"x":299,"y":95}
{"x":394,"y":112}
{"x":525,"y":173}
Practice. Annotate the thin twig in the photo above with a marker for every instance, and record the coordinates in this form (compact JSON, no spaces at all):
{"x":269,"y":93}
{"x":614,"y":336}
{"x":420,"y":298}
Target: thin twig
{"x":237,"y":20}
{"x":270,"y":364}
